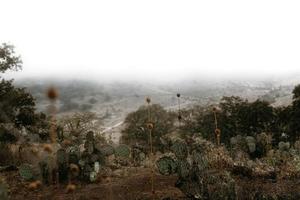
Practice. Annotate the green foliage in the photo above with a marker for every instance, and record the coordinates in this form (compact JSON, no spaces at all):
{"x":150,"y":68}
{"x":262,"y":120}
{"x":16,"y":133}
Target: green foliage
{"x":136,"y":130}
{"x":296,"y":92}
{"x":236,"y":116}
{"x":16,"y":104}
{"x":199,"y":120}
{"x":8,"y":59}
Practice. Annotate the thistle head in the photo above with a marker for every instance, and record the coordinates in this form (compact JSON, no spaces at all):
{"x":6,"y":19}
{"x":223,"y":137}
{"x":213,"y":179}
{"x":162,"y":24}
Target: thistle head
{"x":52,"y":93}
{"x":148,"y":100}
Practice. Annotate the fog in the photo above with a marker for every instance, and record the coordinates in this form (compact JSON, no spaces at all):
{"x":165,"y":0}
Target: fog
{"x":154,"y":40}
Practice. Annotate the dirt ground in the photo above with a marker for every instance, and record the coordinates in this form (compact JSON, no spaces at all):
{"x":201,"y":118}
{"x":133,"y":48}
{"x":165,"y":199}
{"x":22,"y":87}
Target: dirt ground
{"x":135,"y":187}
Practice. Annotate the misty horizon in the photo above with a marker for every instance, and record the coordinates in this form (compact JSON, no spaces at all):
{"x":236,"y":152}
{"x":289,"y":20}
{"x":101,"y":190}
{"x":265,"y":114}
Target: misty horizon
{"x":158,"y":41}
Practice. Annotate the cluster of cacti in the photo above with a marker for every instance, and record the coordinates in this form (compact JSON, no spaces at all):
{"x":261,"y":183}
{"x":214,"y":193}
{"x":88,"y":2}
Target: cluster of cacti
{"x":62,"y":165}
{"x":180,"y":149}
{"x":256,"y":146}
{"x":89,"y":158}
{"x":138,"y":155}
{"x":122,"y":154}
{"x":193,"y":164}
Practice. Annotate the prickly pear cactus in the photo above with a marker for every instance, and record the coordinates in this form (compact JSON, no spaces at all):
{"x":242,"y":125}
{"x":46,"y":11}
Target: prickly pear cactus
{"x":166,"y":165}
{"x":251,"y":143}
{"x":45,"y":171}
{"x":183,"y":168}
{"x":74,"y":154}
{"x":122,"y":151}
{"x":93,"y":176}
{"x":61,"y":156}
{"x":26,"y":172}
{"x":179,"y":148}
{"x":284,"y":146}
{"x":89,"y":147}
{"x":106,"y":150}
{"x":200,"y":160}
{"x":297,"y":146}
{"x":90,"y":136}
{"x":3,"y":190}
{"x":86,"y":173}
{"x":221,"y":186}
{"x":62,"y":165}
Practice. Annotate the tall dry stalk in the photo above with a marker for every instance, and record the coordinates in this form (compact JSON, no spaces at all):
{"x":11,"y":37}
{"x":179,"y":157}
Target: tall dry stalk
{"x":150,"y":128}
{"x":217,"y":130}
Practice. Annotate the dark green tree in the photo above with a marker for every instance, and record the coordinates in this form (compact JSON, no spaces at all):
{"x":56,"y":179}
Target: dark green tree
{"x":294,"y":119}
{"x":17,"y":106}
{"x":296,"y":92}
{"x":136,"y":130}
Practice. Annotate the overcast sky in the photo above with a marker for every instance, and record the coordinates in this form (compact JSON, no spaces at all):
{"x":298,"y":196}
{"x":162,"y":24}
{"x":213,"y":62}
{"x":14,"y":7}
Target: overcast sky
{"x":159,"y":39}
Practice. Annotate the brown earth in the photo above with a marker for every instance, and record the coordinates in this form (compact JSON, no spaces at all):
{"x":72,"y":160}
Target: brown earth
{"x":138,"y":187}
{"x":135,"y":187}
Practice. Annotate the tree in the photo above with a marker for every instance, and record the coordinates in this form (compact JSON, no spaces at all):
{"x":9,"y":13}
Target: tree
{"x":17,"y":107}
{"x":231,"y":121}
{"x":199,"y":120}
{"x":8,"y":59}
{"x":293,"y":124}
{"x":296,"y":92}
{"x":136,"y":130}
{"x":79,"y":124}
{"x":235,"y":116}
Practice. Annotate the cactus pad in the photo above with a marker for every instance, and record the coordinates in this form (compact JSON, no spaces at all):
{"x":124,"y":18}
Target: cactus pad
{"x":26,"y":172}
{"x":122,"y":151}
{"x":179,"y":148}
{"x":107,"y":150}
{"x":166,"y":165}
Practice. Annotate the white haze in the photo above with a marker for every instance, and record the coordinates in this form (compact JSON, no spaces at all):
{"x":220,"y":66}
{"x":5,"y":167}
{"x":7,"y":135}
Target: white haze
{"x":153,"y":40}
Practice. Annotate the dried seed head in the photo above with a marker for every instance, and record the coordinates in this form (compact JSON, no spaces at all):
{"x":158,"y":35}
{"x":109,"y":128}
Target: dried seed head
{"x":35,"y":185}
{"x":178,"y":95}
{"x":48,"y":148}
{"x":71,"y":188}
{"x":218,"y":131}
{"x":34,"y":151}
{"x":179,"y":117}
{"x":214,"y":109}
{"x":150,"y":126}
{"x":52,"y":93}
{"x":148,"y":100}
{"x":67,"y":142}
{"x":74,"y":169}
{"x":38,"y":183}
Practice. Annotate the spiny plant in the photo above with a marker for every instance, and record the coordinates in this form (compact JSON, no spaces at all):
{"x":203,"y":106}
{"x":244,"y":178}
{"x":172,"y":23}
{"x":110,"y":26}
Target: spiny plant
{"x":26,"y":172}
